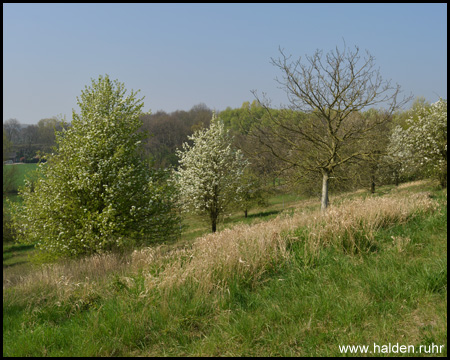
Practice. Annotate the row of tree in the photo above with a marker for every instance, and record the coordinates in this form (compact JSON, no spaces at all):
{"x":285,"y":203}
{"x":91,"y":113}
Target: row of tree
{"x":213,"y":174}
{"x":166,"y":133}
{"x":260,"y":134}
{"x":380,"y":155}
{"x":101,"y":191}
{"x":25,"y":142}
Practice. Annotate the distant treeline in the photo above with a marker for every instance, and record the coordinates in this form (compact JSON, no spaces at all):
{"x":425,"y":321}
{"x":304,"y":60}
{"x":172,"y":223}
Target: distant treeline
{"x":168,"y":131}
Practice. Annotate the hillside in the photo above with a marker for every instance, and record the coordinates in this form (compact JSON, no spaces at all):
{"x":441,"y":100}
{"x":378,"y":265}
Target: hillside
{"x":373,"y":270}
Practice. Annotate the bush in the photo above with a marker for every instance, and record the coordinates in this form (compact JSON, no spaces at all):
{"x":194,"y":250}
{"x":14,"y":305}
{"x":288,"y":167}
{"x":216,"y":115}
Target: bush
{"x":8,"y":231}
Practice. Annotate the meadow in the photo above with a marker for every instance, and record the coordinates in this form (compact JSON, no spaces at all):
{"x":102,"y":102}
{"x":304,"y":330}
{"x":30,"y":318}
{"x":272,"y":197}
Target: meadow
{"x":279,"y":283}
{"x":17,"y":173}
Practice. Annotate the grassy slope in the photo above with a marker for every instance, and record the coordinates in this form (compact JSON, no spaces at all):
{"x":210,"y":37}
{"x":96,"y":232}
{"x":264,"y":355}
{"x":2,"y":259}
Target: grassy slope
{"x":108,"y":306}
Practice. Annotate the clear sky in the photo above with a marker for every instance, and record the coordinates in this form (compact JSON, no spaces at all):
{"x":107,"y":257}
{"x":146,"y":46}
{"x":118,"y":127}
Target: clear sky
{"x":180,"y":55}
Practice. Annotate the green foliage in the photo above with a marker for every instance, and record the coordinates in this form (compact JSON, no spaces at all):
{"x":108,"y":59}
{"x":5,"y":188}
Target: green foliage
{"x":6,"y":145}
{"x":14,"y":176}
{"x":253,"y":192}
{"x":8,"y":231}
{"x":46,"y":130}
{"x":297,"y":309}
{"x":96,"y":193}
{"x":242,"y":120}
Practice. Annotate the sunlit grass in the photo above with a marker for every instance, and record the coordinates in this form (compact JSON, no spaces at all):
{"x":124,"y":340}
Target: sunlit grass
{"x":289,"y":286}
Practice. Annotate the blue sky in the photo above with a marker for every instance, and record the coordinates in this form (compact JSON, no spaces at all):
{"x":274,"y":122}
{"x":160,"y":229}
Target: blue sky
{"x":180,"y":55}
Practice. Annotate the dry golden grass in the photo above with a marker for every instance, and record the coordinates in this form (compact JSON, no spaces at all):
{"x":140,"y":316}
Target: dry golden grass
{"x":412,"y":184}
{"x":166,"y":300}
{"x":247,"y":251}
{"x":66,"y":278}
{"x":352,"y":225}
{"x":399,"y":243}
{"x":244,"y":251}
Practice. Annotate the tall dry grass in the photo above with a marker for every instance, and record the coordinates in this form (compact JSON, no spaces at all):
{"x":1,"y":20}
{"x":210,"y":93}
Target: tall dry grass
{"x":352,"y":225}
{"x":245,"y":252}
{"x":248,"y":251}
{"x":62,"y":280}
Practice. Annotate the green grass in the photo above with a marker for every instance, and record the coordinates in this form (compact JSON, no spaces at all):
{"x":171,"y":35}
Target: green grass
{"x":19,"y":172}
{"x":196,"y":226}
{"x":396,"y":294}
{"x":15,"y":254}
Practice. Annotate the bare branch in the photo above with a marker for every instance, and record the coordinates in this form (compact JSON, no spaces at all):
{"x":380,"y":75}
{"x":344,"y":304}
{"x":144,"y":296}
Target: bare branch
{"x":330,"y":91}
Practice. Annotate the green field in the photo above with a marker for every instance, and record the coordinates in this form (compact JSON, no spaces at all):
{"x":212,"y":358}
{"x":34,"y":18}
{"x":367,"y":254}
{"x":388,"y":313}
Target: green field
{"x":17,"y":173}
{"x":375,"y":272}
{"x":21,"y":170}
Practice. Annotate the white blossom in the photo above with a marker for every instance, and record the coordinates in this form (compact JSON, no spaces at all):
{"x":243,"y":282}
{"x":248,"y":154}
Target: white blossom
{"x":421,"y":148}
{"x":96,"y":190}
{"x":210,"y":171}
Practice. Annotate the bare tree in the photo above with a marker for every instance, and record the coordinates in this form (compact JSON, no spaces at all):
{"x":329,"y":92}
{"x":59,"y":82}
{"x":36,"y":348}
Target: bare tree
{"x":30,"y":140}
{"x":12,"y":128}
{"x":322,"y":127}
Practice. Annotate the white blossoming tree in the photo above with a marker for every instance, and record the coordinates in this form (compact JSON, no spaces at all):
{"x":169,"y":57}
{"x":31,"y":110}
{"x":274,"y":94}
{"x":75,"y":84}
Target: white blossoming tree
{"x":421,"y":148}
{"x":209,"y":172}
{"x":96,"y":193}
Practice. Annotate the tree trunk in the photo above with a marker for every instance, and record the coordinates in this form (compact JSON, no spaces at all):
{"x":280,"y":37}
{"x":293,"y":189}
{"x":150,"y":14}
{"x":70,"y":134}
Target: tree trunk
{"x":245,"y":211}
{"x":324,"y":202}
{"x":443,"y":181}
{"x":214,"y":212}
{"x":443,"y":176}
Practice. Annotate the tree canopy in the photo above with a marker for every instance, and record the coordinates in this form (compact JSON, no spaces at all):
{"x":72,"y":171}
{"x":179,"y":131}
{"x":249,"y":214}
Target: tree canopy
{"x":322,"y":127}
{"x":210,"y":171}
{"x":96,"y":193}
{"x":421,"y":147}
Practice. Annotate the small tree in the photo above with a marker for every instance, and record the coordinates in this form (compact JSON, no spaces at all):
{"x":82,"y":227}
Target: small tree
{"x":370,"y":171}
{"x":253,"y":192}
{"x":210,"y":171}
{"x":421,"y":148}
{"x":96,"y":193}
